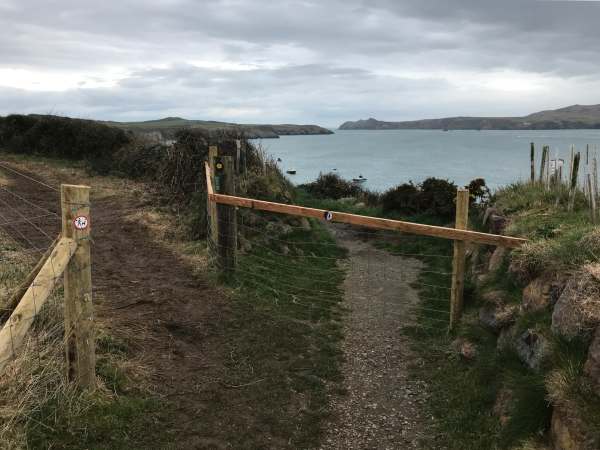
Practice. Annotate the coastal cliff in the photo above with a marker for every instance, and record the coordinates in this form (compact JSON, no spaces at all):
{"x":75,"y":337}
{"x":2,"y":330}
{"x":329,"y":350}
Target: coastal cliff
{"x":571,"y":117}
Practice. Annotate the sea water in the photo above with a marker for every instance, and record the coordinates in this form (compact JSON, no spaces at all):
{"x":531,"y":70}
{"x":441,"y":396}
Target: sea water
{"x":389,"y":157}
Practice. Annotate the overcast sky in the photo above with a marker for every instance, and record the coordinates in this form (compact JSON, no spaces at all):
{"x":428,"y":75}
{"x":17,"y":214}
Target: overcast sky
{"x":323,"y":61}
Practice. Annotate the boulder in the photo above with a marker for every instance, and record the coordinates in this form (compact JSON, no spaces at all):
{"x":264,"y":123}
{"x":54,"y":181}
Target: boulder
{"x":488,"y":212}
{"x":592,"y":364}
{"x":533,"y":348}
{"x":568,"y":430}
{"x":496,"y":259}
{"x":497,"y":317}
{"x":577,"y":311}
{"x":497,"y":223}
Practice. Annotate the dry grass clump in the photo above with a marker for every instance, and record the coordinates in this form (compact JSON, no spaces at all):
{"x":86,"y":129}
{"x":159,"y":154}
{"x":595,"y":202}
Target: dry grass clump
{"x":35,"y":376}
{"x":563,"y":252}
{"x":591,"y":242}
{"x":583,"y":295}
{"x":15,"y":265}
{"x":564,"y":382}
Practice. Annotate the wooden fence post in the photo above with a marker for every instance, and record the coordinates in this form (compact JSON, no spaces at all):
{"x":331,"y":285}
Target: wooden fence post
{"x":532,"y":157}
{"x":592,"y":196}
{"x":542,"y":164}
{"x":458,"y":261}
{"x":213,"y":153}
{"x":573,"y":181}
{"x":226,"y":215}
{"x":79,"y":320}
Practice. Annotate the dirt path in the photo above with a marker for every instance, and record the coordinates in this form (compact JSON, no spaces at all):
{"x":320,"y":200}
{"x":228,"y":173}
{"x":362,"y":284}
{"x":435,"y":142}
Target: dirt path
{"x":383,"y":405}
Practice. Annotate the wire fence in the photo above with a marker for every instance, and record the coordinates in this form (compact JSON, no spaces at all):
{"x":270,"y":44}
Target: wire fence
{"x":379,"y":273}
{"x":35,"y":371}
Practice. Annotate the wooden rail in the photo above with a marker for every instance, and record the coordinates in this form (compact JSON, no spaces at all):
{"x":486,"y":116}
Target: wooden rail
{"x":13,"y":333}
{"x":366,"y":221}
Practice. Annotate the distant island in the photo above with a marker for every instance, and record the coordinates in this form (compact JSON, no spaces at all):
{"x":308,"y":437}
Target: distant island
{"x":168,"y":126}
{"x":571,"y":117}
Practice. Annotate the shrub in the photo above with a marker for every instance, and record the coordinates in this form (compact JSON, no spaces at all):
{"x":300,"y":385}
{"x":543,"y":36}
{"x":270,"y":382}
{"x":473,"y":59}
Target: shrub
{"x":437,"y":197}
{"x":402,"y":198}
{"x":479,"y":193}
{"x":63,"y":137}
{"x":331,"y":185}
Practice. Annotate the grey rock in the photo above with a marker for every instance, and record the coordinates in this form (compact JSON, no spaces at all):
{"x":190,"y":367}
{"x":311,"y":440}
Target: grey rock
{"x":497,"y":317}
{"x":496,"y":259}
{"x":488,"y":212}
{"x":592,"y":364}
{"x":497,"y":223}
{"x":533,"y":348}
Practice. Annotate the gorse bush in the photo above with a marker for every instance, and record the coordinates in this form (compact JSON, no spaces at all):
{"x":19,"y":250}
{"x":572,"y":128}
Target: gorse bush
{"x":437,"y":197}
{"x":403,"y":198}
{"x":433,"y":196}
{"x":331,"y":185}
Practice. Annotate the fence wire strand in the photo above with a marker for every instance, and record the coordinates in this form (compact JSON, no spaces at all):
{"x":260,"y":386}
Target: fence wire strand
{"x":286,"y":272}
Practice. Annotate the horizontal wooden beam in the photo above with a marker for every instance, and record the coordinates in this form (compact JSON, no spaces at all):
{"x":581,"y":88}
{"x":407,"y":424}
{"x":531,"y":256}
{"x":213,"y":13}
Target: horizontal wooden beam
{"x":15,"y":329}
{"x":18,"y":294}
{"x":372,"y":222}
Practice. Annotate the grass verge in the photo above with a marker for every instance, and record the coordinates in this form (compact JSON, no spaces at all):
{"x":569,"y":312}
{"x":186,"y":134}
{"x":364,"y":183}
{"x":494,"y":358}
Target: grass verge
{"x":284,"y":334}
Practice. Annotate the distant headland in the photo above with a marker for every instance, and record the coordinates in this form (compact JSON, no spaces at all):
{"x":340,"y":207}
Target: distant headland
{"x":571,"y":117}
{"x":169,"y":125}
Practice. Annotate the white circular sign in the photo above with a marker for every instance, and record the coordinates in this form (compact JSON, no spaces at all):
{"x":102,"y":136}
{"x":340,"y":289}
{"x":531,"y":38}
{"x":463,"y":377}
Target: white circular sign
{"x":81,"y":222}
{"x":328,"y":215}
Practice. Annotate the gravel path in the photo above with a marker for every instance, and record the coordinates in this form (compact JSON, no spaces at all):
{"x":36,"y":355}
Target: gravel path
{"x":383,"y":405}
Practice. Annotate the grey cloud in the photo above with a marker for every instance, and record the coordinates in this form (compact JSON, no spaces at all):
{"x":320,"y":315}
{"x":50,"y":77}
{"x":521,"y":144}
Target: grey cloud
{"x":306,"y":60}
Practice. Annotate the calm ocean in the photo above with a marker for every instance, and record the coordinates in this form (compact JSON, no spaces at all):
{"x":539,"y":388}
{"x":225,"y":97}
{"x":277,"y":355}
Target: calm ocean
{"x":389,"y":157}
